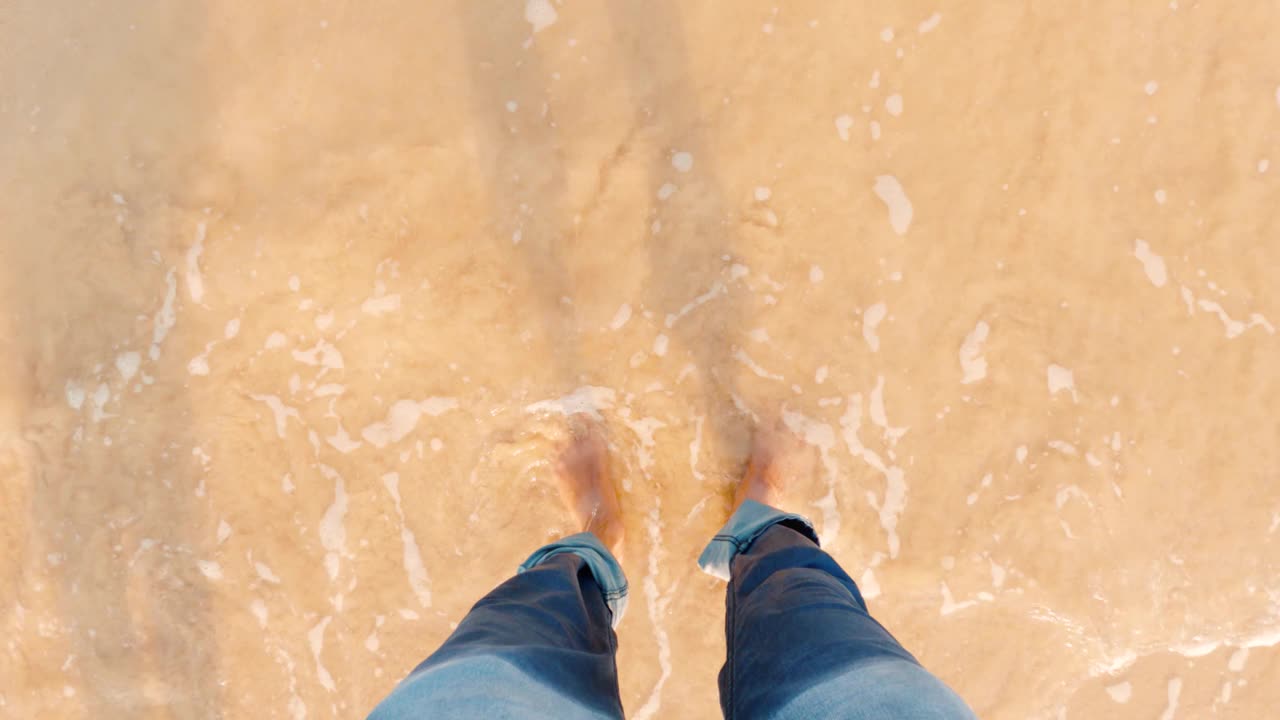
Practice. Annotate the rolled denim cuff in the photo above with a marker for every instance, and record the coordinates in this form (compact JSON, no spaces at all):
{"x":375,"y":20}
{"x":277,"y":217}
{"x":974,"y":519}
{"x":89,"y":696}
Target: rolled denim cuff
{"x":605,"y":568}
{"x":749,"y":522}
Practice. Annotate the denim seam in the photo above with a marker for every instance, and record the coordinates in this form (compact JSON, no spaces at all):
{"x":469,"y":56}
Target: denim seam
{"x":613,"y":656}
{"x":742,"y":544}
{"x":608,"y":594}
{"x":615,"y":594}
{"x":731,"y":611}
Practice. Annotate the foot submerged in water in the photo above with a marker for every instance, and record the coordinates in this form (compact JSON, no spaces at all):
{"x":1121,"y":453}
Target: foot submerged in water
{"x":586,"y":486}
{"x":782,"y":467}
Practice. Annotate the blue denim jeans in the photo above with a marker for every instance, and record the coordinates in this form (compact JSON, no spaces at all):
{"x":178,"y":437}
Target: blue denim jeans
{"x":801,"y":643}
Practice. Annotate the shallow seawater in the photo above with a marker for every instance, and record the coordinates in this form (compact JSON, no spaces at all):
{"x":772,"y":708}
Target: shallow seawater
{"x":294,"y":301}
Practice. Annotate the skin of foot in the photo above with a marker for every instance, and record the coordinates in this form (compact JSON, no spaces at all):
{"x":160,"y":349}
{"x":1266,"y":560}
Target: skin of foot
{"x":780,"y":470}
{"x":586,"y":486}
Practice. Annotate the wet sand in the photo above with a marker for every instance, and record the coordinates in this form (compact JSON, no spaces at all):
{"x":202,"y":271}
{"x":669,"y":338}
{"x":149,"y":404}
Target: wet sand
{"x":292,"y":298}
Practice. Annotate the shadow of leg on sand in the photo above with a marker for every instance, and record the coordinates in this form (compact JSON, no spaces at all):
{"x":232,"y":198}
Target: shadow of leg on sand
{"x":110,"y":525}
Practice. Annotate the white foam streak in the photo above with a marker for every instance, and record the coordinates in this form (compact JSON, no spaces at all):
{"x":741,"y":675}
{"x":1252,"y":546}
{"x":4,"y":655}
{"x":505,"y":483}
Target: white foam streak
{"x":823,"y":437}
{"x":588,"y":399}
{"x":716,"y":289}
{"x":621,"y":317}
{"x":279,"y":411}
{"x":871,"y":319}
{"x":165,"y":318}
{"x":315,"y":638}
{"x":656,"y":603}
{"x":195,"y":282}
{"x":894,"y":501}
{"x":1152,"y":264}
{"x":403,"y":417}
{"x":414,"y":568}
{"x":333,"y":531}
{"x":972,"y":363}
{"x":890,"y":192}
{"x":741,"y":356}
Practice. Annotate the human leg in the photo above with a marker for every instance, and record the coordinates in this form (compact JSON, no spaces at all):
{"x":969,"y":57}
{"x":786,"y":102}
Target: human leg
{"x":801,"y":643}
{"x":541,"y":645}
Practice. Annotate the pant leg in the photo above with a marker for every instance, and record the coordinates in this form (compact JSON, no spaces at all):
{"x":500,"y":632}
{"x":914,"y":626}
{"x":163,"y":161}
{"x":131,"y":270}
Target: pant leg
{"x":801,"y":643}
{"x":541,"y":645}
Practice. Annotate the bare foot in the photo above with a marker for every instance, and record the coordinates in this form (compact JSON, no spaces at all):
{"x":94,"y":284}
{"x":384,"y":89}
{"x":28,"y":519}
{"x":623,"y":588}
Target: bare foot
{"x":585,"y":484}
{"x":780,"y":469}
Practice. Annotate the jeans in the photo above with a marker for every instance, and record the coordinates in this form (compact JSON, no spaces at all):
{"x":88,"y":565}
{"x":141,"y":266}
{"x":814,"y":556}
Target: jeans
{"x":801,"y":643}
